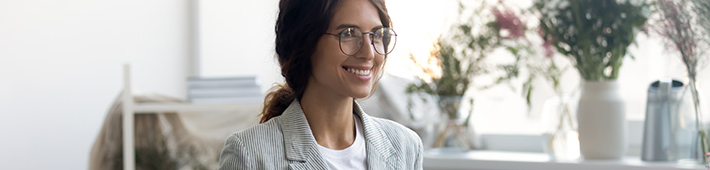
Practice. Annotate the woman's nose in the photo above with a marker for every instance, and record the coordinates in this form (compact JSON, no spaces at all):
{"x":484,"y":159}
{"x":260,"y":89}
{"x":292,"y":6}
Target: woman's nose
{"x":367,"y":50}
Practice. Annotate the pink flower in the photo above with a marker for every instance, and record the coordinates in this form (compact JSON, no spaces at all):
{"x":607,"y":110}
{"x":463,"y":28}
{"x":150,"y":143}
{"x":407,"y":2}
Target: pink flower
{"x":681,"y":35}
{"x":507,"y":20}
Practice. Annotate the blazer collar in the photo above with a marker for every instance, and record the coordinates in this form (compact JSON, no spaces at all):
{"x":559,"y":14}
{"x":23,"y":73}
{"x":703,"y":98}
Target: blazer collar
{"x":301,"y":145}
{"x":298,"y":138}
{"x":379,"y":147}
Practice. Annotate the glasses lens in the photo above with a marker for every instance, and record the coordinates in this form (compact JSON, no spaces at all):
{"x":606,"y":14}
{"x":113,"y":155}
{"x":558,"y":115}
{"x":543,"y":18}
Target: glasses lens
{"x":350,"y":40}
{"x":384,"y":40}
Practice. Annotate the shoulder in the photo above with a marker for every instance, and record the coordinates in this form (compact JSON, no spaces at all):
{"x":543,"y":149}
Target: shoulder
{"x":262,"y":135}
{"x":245,"y":149}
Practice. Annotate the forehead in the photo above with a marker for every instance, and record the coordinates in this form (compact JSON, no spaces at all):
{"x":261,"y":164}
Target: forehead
{"x":361,"y":13}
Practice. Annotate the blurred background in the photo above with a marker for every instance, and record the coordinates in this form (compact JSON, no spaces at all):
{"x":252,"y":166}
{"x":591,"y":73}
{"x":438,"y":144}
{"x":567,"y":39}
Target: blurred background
{"x":61,"y":67}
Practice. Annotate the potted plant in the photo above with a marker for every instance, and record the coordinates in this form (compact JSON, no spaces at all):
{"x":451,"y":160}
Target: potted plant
{"x":595,"y":35}
{"x":685,"y":24}
{"x":458,"y":59}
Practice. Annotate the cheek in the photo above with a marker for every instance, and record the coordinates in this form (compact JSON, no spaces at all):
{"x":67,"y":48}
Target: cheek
{"x":327,"y":58}
{"x":322,"y":55}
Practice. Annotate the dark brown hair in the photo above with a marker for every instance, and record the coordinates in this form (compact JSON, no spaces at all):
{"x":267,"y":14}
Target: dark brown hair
{"x":299,"y":26}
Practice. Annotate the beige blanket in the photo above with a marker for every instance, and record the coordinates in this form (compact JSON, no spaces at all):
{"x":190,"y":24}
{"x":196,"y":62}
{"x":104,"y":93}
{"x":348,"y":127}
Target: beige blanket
{"x":168,"y":140}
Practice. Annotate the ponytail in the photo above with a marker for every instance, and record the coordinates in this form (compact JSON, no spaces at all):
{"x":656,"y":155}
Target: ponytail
{"x":276,"y":102}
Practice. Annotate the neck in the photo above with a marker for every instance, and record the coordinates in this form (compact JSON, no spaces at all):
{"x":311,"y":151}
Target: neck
{"x":330,"y":117}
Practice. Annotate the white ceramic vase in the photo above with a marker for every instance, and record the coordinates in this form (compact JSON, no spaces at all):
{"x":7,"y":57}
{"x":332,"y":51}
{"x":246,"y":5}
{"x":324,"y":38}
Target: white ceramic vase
{"x":602,"y":121}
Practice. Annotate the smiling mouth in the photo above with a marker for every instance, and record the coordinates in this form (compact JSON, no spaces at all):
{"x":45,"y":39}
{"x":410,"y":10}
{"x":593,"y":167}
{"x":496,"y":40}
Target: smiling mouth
{"x":357,"y":71}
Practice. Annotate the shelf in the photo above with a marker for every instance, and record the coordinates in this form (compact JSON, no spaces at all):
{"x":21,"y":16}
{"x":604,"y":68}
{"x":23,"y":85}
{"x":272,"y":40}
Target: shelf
{"x":130,"y":108}
{"x":500,"y":160}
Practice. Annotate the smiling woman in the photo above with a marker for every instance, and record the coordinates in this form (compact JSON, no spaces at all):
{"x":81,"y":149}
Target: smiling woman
{"x":313,"y":121}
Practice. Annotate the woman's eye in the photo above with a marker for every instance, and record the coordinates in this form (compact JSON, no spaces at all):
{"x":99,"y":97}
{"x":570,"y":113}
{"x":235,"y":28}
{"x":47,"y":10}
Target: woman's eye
{"x":347,"y":33}
{"x":377,"y":35}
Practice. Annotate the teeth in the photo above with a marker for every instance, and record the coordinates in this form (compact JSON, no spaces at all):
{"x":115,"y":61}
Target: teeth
{"x":359,"y":72}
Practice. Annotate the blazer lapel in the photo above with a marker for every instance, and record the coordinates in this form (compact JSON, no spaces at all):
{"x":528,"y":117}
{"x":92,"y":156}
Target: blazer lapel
{"x":300,"y":145}
{"x":299,"y":141}
{"x":380,"y":152}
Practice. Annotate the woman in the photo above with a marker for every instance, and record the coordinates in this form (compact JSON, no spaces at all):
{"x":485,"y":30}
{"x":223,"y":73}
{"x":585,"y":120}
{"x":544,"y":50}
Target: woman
{"x":331,"y":52}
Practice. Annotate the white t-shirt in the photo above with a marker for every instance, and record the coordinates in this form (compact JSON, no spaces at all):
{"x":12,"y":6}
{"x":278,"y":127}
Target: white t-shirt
{"x":352,"y":157}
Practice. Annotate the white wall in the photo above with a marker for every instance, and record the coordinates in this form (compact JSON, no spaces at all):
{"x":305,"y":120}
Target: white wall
{"x":236,"y":38}
{"x":61,"y":65}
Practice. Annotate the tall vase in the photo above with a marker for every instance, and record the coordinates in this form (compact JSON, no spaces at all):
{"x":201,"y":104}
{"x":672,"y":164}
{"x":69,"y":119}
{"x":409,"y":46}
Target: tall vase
{"x":691,"y":126}
{"x":602,"y":121}
{"x":701,"y":145}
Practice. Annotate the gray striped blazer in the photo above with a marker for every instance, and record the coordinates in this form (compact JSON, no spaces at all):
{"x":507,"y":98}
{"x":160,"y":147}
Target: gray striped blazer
{"x":286,"y":142}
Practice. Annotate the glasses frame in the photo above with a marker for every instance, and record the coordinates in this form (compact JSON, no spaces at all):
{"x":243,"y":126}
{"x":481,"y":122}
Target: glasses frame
{"x":372,"y":42}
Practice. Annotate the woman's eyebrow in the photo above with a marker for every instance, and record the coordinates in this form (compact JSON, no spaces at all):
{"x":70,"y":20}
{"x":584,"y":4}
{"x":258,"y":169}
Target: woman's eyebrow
{"x":377,"y":27}
{"x":341,"y":26}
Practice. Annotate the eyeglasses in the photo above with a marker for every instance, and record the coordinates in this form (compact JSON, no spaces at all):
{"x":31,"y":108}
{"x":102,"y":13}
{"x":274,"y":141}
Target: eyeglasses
{"x":351,"y":40}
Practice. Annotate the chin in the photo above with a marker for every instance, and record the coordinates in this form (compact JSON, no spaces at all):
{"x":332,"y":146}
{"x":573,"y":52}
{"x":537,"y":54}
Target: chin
{"x":361,"y":94}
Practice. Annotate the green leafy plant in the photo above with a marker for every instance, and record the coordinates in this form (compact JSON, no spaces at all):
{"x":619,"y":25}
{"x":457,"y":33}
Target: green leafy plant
{"x":594,"y":34}
{"x":461,"y":57}
{"x":458,"y":58}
